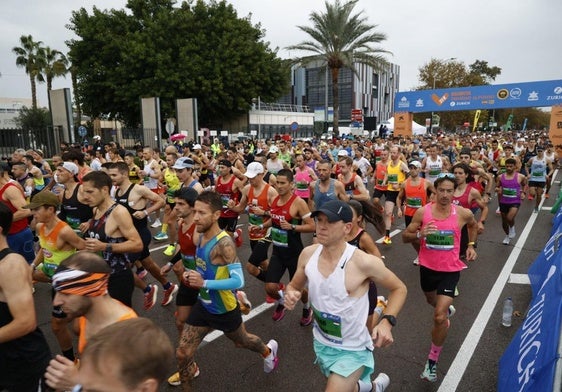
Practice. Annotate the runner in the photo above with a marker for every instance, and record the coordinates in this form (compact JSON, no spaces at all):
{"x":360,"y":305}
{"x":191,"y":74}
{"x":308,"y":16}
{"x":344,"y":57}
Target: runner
{"x":352,"y":183}
{"x":229,"y":187}
{"x":539,"y":168}
{"x":325,"y":188}
{"x":509,"y":187}
{"x":395,"y":175}
{"x":73,"y":209}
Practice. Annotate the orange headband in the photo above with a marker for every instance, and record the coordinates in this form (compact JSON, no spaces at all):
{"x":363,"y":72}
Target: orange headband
{"x":76,"y":282}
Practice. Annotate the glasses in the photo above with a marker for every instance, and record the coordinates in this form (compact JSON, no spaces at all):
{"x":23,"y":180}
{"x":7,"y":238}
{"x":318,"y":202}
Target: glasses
{"x":446,"y":175}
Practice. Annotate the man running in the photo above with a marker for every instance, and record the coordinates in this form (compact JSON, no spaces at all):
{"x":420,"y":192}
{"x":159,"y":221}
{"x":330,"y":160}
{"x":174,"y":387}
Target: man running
{"x":395,"y":175}
{"x":539,"y":169}
{"x":509,"y":187}
{"x":325,"y":188}
{"x":230,"y":188}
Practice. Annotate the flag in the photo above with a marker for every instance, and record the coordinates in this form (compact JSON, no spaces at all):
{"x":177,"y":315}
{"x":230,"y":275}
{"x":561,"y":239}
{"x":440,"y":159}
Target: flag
{"x":524,"y":124}
{"x":476,"y":117}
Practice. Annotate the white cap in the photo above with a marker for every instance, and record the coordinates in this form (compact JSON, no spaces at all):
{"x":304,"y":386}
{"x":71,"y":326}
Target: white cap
{"x":71,"y":167}
{"x":415,"y":163}
{"x":197,"y":147}
{"x":342,"y":153}
{"x":273,"y":150}
{"x":97,"y":137}
{"x":183,"y":163}
{"x":254,"y":169}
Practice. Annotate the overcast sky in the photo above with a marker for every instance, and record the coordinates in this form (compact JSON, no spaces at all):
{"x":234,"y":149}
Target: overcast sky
{"x":521,"y":37}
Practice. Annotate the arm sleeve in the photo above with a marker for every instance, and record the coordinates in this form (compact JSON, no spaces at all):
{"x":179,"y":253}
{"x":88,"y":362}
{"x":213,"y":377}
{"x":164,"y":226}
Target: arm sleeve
{"x":235,"y":281}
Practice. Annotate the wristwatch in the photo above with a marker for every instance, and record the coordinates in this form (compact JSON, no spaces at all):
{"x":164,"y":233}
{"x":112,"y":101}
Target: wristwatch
{"x":390,"y":318}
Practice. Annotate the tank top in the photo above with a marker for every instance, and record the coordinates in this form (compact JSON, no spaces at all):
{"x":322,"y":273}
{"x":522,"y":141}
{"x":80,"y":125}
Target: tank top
{"x":39,"y":183}
{"x":224,"y":189}
{"x":511,"y":190}
{"x":140,"y":224}
{"x":173,"y":183}
{"x":395,"y":176}
{"x":302,"y":182}
{"x":462,"y":200}
{"x":285,"y":242}
{"x":19,"y":354}
{"x":355,"y":241}
{"x":538,"y":170}
{"x":187,"y":247}
{"x":440,"y":251}
{"x":416,"y":196}
{"x":339,"y":320}
{"x":117,"y":261}
{"x":20,"y":224}
{"x":134,"y":175}
{"x":380,"y":173}
{"x":214,"y":301}
{"x":149,"y":182}
{"x":322,"y":197}
{"x":262,"y":202}
{"x":82,"y":325}
{"x":350,"y":185}
{"x":73,"y":212}
{"x":434,"y":168}
{"x":52,"y":256}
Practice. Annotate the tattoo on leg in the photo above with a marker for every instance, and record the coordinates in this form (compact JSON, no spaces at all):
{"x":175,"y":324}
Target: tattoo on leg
{"x":242,"y":338}
{"x":190,"y":339}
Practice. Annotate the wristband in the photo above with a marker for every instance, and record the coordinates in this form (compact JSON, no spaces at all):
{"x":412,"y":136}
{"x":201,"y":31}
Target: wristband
{"x":418,"y":235}
{"x":170,"y":264}
{"x":471,"y":243}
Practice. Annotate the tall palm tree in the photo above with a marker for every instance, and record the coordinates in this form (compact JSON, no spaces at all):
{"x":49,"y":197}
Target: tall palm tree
{"x":31,"y":56}
{"x":55,"y":65}
{"x":338,"y":40}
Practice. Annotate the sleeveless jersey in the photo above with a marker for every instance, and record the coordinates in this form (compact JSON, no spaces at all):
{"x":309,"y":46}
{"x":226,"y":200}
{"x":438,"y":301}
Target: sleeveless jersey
{"x":20,"y":224}
{"x":134,"y":175}
{"x":224,"y":189}
{"x":322,"y":197}
{"x":415,"y":196}
{"x":462,"y":200}
{"x":173,"y":183}
{"x":380,"y":173}
{"x":285,"y":242}
{"x":350,"y":185}
{"x":187,"y":247}
{"x":511,"y":190}
{"x":302,"y":182}
{"x":395,"y":176}
{"x":52,"y":256}
{"x":434,"y":168}
{"x":253,"y":219}
{"x":149,"y":182}
{"x":214,"y":301}
{"x":538,"y":170}
{"x":73,"y":211}
{"x":440,"y":251}
{"x":355,"y":241}
{"x":339,"y":319}
{"x":139,"y":224}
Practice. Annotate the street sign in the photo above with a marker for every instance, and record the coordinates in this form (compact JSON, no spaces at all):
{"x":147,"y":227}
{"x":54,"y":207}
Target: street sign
{"x":294,"y":126}
{"x":82,"y":131}
{"x":357,"y":115}
{"x":170,"y":126}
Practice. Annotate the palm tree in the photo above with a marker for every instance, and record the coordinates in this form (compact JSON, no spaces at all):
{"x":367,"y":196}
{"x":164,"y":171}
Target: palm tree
{"x":55,"y":65}
{"x":338,"y":40}
{"x":31,"y":56}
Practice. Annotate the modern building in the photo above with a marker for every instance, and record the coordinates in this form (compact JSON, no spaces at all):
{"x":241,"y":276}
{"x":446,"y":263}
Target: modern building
{"x":10,"y":109}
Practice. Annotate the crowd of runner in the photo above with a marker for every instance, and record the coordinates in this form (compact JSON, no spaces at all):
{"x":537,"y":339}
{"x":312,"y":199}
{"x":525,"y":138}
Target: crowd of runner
{"x":104,"y":199}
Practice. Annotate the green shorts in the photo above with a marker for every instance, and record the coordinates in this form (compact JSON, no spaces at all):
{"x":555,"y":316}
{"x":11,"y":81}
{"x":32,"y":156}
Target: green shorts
{"x":344,"y":362}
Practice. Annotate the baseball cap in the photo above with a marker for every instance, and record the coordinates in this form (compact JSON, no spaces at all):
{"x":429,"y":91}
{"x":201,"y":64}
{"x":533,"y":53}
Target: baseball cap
{"x":97,"y":137}
{"x":342,"y":153}
{"x":197,"y":147}
{"x":273,"y":150}
{"x":335,"y":210}
{"x":415,"y":164}
{"x":183,"y":163}
{"x":70,"y":166}
{"x":254,"y":169}
{"x":45,"y":198}
{"x":225,"y":162}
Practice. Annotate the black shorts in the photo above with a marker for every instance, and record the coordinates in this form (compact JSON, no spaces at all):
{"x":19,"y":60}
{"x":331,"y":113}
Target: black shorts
{"x":408,"y":219}
{"x":391,"y":196}
{"x":537,"y":184}
{"x":442,"y":282}
{"x":278,"y":265}
{"x":121,"y":285}
{"x":377,"y":193}
{"x":228,"y":224}
{"x":504,"y":208}
{"x":146,"y":237}
{"x":186,"y":296}
{"x":225,"y":322}
{"x":373,"y":294}
{"x":259,"y":254}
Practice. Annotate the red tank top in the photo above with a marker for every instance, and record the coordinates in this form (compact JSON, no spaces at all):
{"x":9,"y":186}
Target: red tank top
{"x":185,"y":240}
{"x":462,"y":200}
{"x":380,"y":173}
{"x":256,"y":220}
{"x":225,"y":190}
{"x":416,"y":196}
{"x":350,"y":185}
{"x":18,"y":225}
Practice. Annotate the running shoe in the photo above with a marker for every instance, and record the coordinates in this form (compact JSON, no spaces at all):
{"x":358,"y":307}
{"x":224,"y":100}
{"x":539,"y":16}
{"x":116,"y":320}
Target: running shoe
{"x":245,"y":304}
{"x":278,"y":313}
{"x":386,"y":240}
{"x":174,"y":380}
{"x":306,"y":318}
{"x":142,"y":272}
{"x":451,"y":311}
{"x":169,"y":294}
{"x":161,"y":236}
{"x":170,"y":249}
{"x":429,"y":372}
{"x":156,"y":223}
{"x":271,"y":300}
{"x":416,"y":261}
{"x":457,"y":293}
{"x":150,"y":297}
{"x":512,"y":232}
{"x":498,"y":212}
{"x":238,"y":238}
{"x":506,"y":240}
{"x":381,"y":382}
{"x":270,"y":362}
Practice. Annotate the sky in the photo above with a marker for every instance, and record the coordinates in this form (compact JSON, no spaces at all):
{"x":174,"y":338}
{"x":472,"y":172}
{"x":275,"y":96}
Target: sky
{"x":521,"y":37}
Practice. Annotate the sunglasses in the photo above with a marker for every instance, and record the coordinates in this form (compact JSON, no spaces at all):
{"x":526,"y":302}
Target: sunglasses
{"x":446,"y":175}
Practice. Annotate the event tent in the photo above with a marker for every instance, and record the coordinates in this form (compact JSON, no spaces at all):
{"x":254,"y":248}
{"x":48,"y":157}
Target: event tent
{"x":417,"y":129}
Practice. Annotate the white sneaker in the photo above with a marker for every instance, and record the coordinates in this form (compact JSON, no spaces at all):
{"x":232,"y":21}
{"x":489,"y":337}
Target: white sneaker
{"x":506,"y":240}
{"x":451,"y":311}
{"x":156,"y":223}
{"x":512,"y":232}
{"x":270,"y":363}
{"x":381,"y":382}
{"x":498,"y":212}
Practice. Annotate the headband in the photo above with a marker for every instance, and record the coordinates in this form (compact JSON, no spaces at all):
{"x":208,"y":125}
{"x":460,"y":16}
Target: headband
{"x":76,"y":282}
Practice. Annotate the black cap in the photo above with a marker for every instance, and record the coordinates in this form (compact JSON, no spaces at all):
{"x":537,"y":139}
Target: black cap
{"x":335,"y":210}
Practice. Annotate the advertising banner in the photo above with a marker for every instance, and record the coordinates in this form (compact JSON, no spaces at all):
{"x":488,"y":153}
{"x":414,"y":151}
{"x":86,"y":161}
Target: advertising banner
{"x":499,"y":96}
{"x":555,"y":131}
{"x":403,"y":124}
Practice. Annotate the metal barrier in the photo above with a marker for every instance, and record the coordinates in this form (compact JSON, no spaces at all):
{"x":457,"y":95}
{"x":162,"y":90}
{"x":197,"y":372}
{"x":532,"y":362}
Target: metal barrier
{"x":48,"y":140}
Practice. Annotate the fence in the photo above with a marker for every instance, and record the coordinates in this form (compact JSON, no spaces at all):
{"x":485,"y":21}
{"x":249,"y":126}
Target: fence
{"x":48,"y":140}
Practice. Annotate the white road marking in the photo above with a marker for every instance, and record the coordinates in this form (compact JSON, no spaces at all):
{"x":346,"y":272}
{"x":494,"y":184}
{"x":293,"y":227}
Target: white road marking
{"x":519,"y":279}
{"x":392,"y":234}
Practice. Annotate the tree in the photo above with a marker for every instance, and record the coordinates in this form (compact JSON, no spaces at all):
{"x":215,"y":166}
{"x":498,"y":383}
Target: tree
{"x":55,"y":64}
{"x":339,"y":39}
{"x":31,"y":56}
{"x":198,"y":50}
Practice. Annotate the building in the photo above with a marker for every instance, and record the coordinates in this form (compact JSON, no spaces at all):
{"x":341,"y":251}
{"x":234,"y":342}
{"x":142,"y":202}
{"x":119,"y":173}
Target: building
{"x":10,"y":109}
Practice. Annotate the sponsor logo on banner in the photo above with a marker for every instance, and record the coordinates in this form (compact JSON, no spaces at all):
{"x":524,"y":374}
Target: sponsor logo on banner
{"x":404,"y":103}
{"x":533,"y":96}
{"x":557,"y":97}
{"x":503,"y":93}
{"x":515,"y":93}
{"x":419,"y":103}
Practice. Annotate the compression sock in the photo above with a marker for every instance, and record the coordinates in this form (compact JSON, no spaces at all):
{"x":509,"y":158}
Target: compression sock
{"x":69,"y":354}
{"x":434,"y":353}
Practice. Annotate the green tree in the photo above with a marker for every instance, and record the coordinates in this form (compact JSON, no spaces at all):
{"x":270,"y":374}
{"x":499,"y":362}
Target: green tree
{"x":196,"y":50}
{"x":31,"y":57}
{"x":55,"y":64}
{"x":338,"y":39}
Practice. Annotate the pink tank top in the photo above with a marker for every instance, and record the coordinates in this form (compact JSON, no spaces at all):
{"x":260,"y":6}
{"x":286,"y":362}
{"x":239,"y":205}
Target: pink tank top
{"x":302,"y":181}
{"x":440,"y":251}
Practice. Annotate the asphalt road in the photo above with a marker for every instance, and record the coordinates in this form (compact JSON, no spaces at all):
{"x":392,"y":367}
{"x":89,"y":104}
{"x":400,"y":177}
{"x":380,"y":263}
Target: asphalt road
{"x":469,"y":360}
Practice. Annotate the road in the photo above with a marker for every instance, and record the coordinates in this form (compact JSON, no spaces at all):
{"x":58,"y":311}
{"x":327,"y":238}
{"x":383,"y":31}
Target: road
{"x":469,"y":360}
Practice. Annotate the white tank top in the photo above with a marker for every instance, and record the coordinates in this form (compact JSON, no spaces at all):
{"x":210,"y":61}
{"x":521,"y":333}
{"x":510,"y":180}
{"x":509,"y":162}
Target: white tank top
{"x":339,"y":320}
{"x":434,"y":168}
{"x":151,"y":183}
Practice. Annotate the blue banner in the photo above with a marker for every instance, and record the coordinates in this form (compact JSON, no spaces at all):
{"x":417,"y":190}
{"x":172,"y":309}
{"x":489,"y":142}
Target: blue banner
{"x":498,"y":96}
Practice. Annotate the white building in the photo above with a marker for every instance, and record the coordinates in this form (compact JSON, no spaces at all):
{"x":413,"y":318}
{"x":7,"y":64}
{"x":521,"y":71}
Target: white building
{"x":9,"y":109}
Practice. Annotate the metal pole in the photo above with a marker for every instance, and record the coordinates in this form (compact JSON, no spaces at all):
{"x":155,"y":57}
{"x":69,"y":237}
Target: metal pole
{"x":259,"y":117}
{"x":431,"y":118}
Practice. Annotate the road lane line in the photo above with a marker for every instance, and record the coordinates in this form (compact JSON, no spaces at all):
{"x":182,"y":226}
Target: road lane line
{"x":392,"y":234}
{"x":464,"y":354}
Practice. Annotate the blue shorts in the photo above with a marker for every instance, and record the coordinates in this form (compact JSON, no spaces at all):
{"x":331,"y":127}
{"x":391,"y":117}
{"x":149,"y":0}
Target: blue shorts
{"x":22,"y":243}
{"x":344,"y":362}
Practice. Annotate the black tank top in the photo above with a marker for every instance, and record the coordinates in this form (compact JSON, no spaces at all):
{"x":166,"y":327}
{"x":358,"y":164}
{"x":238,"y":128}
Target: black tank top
{"x":117,"y":261}
{"x":139,"y":224}
{"x":357,"y":239}
{"x":73,"y":212}
{"x":18,"y":357}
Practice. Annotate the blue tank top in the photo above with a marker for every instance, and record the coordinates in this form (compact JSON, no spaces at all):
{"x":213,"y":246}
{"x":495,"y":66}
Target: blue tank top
{"x":322,"y":197}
